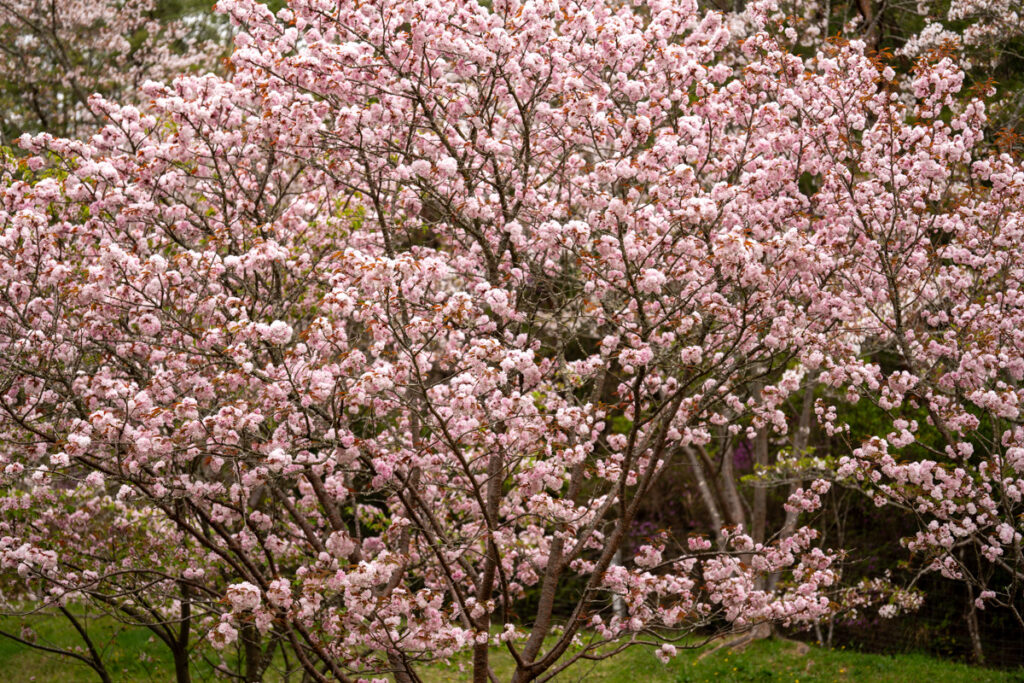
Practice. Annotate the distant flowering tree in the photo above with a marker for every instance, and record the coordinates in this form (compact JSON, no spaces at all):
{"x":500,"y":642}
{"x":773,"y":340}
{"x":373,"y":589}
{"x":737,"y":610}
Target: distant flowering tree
{"x":407,"y":316}
{"x":930,"y":231}
{"x":55,"y":54}
{"x":984,"y":37}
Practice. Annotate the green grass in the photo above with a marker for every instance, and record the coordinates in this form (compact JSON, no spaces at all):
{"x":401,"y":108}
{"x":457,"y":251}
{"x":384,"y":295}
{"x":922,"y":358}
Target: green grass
{"x":766,"y":660}
{"x":129,"y":653}
{"x":132,"y":656}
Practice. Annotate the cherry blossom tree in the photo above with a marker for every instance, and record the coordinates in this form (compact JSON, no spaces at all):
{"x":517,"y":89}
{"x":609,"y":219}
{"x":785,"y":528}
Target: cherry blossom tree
{"x":57,"y":54}
{"x":932,"y":272}
{"x":984,"y":37}
{"x":402,"y":321}
{"x":106,"y":568}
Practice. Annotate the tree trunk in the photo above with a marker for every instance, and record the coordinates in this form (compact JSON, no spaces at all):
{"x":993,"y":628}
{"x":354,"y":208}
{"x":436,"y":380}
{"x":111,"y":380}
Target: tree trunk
{"x":253,"y":654}
{"x":731,"y":494}
{"x":973,"y":630}
{"x":399,"y":669}
{"x":801,"y":438}
{"x":481,"y":664}
{"x":760,"y":512}
{"x":618,"y":605}
{"x":180,"y":649}
{"x":706,"y":493}
{"x":181,"y":670}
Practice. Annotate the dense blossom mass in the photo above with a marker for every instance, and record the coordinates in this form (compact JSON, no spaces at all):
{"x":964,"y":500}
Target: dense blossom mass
{"x":372,"y":350}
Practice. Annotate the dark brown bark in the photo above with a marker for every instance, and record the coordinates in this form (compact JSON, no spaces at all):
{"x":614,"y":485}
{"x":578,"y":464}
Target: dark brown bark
{"x":971,"y":617}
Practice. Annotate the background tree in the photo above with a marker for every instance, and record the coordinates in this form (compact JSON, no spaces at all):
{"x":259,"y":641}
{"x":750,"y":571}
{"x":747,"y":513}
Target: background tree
{"x":58,"y":53}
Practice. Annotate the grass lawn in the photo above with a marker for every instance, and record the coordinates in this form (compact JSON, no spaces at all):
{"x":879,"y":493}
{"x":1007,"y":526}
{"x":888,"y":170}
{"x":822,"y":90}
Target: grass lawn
{"x":129,"y":653}
{"x":132,"y":656}
{"x":767,"y":660}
